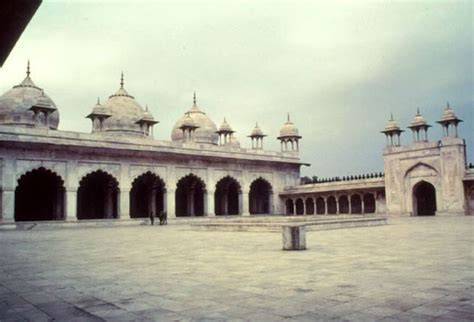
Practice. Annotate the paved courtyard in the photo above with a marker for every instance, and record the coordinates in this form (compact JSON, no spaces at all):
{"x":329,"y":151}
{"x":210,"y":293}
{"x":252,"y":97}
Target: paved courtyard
{"x":417,"y":269}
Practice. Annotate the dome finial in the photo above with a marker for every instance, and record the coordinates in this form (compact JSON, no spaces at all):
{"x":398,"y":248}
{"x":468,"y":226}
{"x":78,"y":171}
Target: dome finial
{"x":98,"y":100}
{"x":194,"y":98}
{"x":28,"y":69}
{"x":288,"y":116}
{"x":418,"y":111}
{"x":121,"y":81}
{"x":146,"y":107}
{"x":447,"y":105}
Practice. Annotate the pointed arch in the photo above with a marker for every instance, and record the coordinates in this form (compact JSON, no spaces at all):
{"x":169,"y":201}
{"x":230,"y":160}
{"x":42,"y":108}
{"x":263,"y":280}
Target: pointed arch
{"x":309,"y":202}
{"x":39,"y":196}
{"x":189,"y":197}
{"x":332,"y":205}
{"x":356,"y":204}
{"x":369,"y":203}
{"x":290,"y":207}
{"x":424,"y":199}
{"x":260,"y":196}
{"x":320,"y":206}
{"x":299,"y":206}
{"x":147,"y":195}
{"x":97,"y":196}
{"x":420,"y":166}
{"x":227,"y":196}
{"x":343,"y":204}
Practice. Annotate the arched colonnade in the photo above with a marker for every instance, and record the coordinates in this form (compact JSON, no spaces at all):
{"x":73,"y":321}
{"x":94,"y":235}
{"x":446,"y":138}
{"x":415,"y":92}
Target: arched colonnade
{"x":41,"y":194}
{"x":361,"y":202}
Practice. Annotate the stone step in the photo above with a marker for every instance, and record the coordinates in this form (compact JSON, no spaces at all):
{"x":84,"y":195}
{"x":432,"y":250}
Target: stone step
{"x":277,"y":226}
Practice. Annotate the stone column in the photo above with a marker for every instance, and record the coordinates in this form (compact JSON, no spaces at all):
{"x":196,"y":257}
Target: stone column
{"x":245,"y":203}
{"x":124,"y":209}
{"x":109,"y":201}
{"x":349,"y":199}
{"x":8,"y":206}
{"x":337,"y":205}
{"x":210,"y":203}
{"x":170,"y":207}
{"x":304,"y":206}
{"x":314,"y":207}
{"x":270,"y":203}
{"x":362,"y":204}
{"x":71,"y":204}
{"x":240,"y":203}
{"x":326,"y":211}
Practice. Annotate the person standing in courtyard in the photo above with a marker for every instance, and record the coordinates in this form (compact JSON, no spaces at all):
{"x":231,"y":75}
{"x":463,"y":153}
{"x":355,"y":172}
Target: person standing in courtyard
{"x":152,"y":218}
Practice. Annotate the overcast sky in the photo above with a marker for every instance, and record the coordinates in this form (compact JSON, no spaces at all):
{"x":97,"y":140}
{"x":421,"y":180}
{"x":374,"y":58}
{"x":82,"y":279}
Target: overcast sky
{"x":339,"y":68}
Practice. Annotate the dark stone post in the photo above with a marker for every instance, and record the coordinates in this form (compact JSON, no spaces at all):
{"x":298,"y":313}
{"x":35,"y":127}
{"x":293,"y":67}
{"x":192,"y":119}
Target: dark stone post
{"x":294,"y":237}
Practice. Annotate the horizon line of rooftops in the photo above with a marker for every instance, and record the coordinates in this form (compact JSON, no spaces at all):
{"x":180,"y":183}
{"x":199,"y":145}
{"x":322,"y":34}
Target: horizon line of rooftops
{"x":28,"y":105}
{"x":419,"y":127}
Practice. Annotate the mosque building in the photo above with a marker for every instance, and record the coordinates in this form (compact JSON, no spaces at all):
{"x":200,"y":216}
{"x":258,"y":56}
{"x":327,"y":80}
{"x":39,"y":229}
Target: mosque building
{"x":120,"y":171}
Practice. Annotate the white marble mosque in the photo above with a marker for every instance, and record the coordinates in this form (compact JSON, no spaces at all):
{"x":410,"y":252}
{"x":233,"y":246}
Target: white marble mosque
{"x":120,"y":171}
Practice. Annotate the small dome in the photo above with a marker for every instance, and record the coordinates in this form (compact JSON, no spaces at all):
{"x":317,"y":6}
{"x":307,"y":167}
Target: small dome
{"x":187,"y":122}
{"x":225,"y":127}
{"x":206,"y":128}
{"x":124,"y":111}
{"x":147,"y":116}
{"x":288,"y":129}
{"x":418,"y":120}
{"x":98,"y":109}
{"x":256,"y":131}
{"x":392,"y":125}
{"x":15,"y":104}
{"x":448,"y":114}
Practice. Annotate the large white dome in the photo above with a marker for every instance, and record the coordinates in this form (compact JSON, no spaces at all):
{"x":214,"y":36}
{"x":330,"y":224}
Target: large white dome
{"x":124,"y":112}
{"x":15,"y":104}
{"x":206,"y":131}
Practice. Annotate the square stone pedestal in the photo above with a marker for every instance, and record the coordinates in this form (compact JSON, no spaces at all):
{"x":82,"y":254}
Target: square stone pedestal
{"x":294,"y":237}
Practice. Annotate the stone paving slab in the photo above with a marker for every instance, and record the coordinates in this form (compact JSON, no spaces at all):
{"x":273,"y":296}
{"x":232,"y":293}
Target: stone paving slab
{"x":414,"y":269}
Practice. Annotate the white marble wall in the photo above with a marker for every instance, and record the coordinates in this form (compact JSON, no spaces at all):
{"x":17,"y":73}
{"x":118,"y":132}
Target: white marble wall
{"x":441,"y":163}
{"x":126,"y":170}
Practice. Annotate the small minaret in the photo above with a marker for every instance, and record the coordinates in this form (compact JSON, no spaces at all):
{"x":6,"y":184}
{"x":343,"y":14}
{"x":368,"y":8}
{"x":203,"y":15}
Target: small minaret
{"x":392,"y":132}
{"x":98,"y":115}
{"x":449,"y":120}
{"x":42,"y":109}
{"x":419,"y":127}
{"x":225,"y":133}
{"x":188,"y":127}
{"x":146,"y":123}
{"x":257,"y":137}
{"x":289,"y":136}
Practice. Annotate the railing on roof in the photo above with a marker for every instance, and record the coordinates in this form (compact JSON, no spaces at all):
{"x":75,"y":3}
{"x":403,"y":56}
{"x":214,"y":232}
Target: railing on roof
{"x":315,"y":179}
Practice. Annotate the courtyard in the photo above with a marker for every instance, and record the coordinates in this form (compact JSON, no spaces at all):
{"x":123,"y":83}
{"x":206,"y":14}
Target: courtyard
{"x":414,"y":269}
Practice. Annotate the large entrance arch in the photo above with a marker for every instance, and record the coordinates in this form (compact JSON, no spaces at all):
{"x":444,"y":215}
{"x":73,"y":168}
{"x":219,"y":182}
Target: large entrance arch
{"x":227,"y":197}
{"x":190,"y":196}
{"x":259,"y":197}
{"x":424,"y":199}
{"x":147,"y":196}
{"x":97,"y":196}
{"x":39,"y":196}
